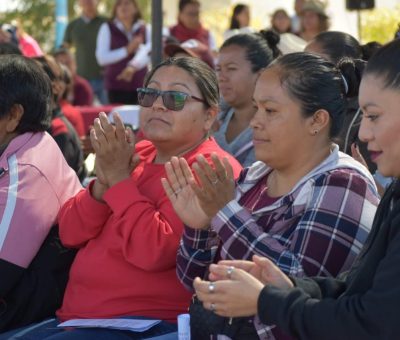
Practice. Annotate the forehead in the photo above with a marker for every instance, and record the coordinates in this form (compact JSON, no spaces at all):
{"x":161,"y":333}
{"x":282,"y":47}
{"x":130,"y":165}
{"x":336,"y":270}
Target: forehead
{"x":269,"y":85}
{"x":191,"y":7}
{"x":170,"y":75}
{"x":372,"y":89}
{"x":232,"y":53}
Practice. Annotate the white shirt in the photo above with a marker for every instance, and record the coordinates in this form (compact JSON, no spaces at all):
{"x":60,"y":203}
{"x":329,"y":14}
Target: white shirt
{"x":106,"y":56}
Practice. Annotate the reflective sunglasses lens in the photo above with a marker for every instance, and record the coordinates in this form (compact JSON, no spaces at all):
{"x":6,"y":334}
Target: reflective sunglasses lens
{"x":174,"y":100}
{"x":147,"y":97}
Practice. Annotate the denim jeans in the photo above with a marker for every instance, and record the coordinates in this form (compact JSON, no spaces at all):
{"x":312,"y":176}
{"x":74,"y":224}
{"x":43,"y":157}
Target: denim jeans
{"x":48,"y":330}
{"x":99,"y":90}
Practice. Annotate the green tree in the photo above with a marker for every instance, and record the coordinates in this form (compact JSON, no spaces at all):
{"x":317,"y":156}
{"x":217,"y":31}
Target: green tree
{"x":37,"y":17}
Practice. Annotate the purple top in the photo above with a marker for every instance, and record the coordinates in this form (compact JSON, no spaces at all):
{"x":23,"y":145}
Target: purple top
{"x":111,"y":71}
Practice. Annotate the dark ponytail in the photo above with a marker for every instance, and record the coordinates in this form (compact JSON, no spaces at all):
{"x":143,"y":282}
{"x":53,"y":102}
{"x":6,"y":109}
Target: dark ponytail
{"x":351,"y":70}
{"x":272,"y":38}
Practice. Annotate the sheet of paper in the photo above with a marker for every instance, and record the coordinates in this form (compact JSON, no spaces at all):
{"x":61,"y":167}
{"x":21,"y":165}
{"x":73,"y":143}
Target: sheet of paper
{"x":135,"y":325}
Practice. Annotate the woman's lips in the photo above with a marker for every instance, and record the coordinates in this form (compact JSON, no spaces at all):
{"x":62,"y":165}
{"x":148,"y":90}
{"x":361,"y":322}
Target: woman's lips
{"x":374,"y":155}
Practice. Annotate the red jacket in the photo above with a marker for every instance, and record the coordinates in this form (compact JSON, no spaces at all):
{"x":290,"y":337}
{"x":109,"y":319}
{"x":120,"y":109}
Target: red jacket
{"x":127,"y":257}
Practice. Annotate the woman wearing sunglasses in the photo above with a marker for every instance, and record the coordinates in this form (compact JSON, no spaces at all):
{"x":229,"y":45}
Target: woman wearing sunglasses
{"x":123,"y":224}
{"x":304,"y":205}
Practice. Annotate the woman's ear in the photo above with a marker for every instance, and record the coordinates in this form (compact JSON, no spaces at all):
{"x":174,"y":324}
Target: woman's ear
{"x":210,"y":116}
{"x":14,"y":117}
{"x":319,"y":121}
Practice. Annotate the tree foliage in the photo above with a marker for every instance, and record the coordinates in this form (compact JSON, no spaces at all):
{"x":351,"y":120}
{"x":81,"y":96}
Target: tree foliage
{"x":38,"y":17}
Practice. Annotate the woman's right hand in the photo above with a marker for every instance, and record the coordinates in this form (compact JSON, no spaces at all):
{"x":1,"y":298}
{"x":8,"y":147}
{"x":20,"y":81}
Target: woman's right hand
{"x":261,"y":268}
{"x":178,"y":188}
{"x":134,"y":44}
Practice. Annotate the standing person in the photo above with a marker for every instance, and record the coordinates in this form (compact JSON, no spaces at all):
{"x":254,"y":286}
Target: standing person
{"x":28,"y":45}
{"x":35,"y":181}
{"x":240,"y":21}
{"x":280,"y":22}
{"x":189,"y":25}
{"x":306,"y":206}
{"x":313,"y":19}
{"x":364,"y":303}
{"x":123,"y":46}
{"x":240,"y":61}
{"x":81,"y":34}
{"x":123,"y":224}
{"x":298,"y":8}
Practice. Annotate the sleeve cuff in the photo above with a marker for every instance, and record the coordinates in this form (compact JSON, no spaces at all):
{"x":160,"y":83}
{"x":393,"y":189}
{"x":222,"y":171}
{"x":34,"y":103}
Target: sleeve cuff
{"x":91,"y":206}
{"x":200,"y":239}
{"x":219,"y":220}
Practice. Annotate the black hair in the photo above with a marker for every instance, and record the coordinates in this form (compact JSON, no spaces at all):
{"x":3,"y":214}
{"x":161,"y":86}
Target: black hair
{"x":236,"y":11}
{"x":337,"y":45}
{"x":385,"y":65}
{"x":204,"y":77}
{"x":23,"y":82}
{"x":317,"y":84}
{"x":183,"y":3}
{"x":9,"y":48}
{"x":258,"y":49}
{"x":369,"y":49}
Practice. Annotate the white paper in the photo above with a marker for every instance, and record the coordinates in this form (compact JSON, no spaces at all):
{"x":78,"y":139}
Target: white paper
{"x":135,"y":325}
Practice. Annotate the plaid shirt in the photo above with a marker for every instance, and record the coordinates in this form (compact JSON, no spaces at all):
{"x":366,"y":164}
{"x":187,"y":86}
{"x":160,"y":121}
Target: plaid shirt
{"x":318,"y":228}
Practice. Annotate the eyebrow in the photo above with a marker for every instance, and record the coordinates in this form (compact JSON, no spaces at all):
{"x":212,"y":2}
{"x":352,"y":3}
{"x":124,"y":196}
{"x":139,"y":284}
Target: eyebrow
{"x":366,"y":106}
{"x":265,"y":100}
{"x":173,"y":84}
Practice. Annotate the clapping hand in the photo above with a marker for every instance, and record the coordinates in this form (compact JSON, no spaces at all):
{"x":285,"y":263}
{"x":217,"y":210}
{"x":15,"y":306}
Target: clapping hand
{"x":235,"y":286}
{"x":261,"y":268}
{"x":114,"y":147}
{"x":198,"y":201}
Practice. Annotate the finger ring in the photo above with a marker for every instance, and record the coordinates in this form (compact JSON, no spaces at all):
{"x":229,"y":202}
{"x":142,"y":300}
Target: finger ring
{"x":212,"y":306}
{"x":211,"y":287}
{"x":229,"y":272}
{"x":176,"y":192}
{"x":215,"y":181}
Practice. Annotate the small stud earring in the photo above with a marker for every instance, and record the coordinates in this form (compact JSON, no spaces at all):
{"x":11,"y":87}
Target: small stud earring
{"x":315,"y":132}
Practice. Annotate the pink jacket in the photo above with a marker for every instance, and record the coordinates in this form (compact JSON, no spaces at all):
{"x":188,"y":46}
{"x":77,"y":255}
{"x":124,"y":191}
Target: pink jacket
{"x":35,"y":181}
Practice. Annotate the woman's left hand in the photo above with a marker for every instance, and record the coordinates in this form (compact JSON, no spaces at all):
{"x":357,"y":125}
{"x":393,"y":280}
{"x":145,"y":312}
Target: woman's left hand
{"x":217,"y":186}
{"x":233,"y":297}
{"x":114,"y":147}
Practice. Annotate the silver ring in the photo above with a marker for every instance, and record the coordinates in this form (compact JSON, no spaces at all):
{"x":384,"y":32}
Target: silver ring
{"x":229,"y":272}
{"x":215,"y":181}
{"x":211,"y":287}
{"x":212,"y":306}
{"x":176,"y":192}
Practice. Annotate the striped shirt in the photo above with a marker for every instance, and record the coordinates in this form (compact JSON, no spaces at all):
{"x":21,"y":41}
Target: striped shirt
{"x":318,"y":228}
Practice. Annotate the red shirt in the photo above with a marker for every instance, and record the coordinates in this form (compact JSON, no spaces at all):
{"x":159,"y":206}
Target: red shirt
{"x":127,"y":258}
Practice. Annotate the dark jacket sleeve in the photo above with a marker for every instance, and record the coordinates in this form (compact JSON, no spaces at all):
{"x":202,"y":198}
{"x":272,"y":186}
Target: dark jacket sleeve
{"x":10,"y":274}
{"x":318,"y":314}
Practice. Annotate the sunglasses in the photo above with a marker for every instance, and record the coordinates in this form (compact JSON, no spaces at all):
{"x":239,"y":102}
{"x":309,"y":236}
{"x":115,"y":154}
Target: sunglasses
{"x":173,"y":100}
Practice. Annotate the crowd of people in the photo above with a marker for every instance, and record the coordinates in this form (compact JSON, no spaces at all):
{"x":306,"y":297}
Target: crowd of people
{"x":261,"y":191}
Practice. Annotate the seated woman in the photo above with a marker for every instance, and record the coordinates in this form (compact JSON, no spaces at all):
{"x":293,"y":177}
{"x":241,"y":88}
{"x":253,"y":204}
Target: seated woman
{"x":35,"y":181}
{"x":241,"y":59}
{"x":123,"y":224}
{"x":306,"y":206}
{"x":333,"y":46}
{"x":364,"y":304}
